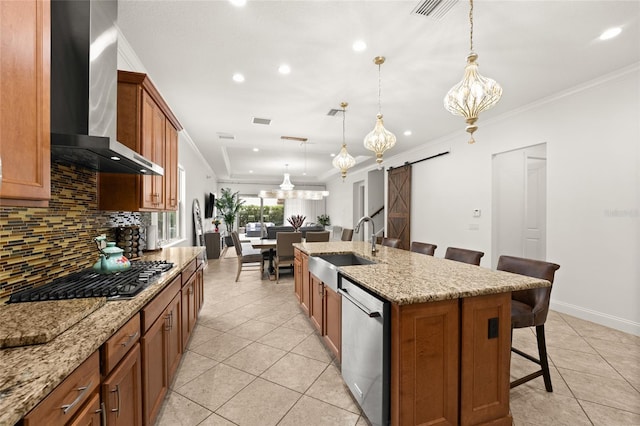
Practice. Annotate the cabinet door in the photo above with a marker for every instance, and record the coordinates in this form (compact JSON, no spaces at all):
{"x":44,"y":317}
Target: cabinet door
{"x":171,"y":167}
{"x":122,"y":392}
{"x":174,"y":337}
{"x":306,"y":294}
{"x":200,"y":291}
{"x":90,"y":414}
{"x":316,"y":303}
{"x":297,"y":277}
{"x":189,"y":312}
{"x":333,"y":321}
{"x":154,"y":371}
{"x":152,"y":147}
{"x":24,"y":112}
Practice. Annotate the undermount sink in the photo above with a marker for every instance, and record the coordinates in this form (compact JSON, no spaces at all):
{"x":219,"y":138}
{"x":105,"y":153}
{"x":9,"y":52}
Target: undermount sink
{"x":325,"y":266}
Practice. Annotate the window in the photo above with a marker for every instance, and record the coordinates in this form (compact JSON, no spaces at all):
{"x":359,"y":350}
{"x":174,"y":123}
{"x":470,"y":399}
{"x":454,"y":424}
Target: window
{"x":171,"y":225}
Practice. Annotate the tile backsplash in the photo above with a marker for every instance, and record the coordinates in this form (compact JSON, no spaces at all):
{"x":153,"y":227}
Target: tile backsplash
{"x":40,"y":244}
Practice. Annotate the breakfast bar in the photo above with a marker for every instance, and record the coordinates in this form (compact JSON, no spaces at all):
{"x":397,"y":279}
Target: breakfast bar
{"x":449,"y":330}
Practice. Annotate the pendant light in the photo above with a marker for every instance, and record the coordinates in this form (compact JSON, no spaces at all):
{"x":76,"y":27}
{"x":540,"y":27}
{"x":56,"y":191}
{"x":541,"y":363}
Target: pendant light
{"x":286,"y":184}
{"x":343,"y":161}
{"x":474,"y":93}
{"x":379,"y":139}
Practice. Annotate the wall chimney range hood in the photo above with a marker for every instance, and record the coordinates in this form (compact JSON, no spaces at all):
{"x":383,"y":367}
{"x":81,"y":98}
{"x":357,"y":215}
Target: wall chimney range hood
{"x":84,"y":86}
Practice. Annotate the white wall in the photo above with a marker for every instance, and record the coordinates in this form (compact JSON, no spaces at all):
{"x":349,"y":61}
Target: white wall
{"x":593,"y":193}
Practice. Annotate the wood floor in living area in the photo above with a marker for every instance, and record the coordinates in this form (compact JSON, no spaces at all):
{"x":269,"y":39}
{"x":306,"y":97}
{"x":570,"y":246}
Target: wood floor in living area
{"x":254,"y":359}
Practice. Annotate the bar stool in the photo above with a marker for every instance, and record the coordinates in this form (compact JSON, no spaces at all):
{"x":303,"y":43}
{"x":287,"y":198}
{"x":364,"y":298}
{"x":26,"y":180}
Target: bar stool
{"x":424,"y":248}
{"x":391,"y":242}
{"x":471,"y":257}
{"x":347,"y":234}
{"x":529,"y":308}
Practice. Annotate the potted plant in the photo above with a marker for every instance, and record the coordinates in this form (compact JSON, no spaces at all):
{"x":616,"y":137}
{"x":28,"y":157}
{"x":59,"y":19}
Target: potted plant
{"x":296,"y":221}
{"x":324,"y":220}
{"x":228,"y":205}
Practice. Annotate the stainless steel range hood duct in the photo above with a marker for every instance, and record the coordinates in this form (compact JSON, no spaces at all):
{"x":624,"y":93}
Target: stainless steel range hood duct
{"x":84,"y":88}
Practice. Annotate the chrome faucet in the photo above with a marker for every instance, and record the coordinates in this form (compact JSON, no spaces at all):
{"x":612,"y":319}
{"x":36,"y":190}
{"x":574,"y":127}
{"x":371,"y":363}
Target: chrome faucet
{"x":373,"y":231}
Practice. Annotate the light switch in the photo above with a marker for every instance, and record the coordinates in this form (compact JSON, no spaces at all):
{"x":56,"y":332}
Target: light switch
{"x":476,"y":212}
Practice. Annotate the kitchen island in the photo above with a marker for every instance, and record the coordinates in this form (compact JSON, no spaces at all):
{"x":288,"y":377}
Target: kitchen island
{"x":29,"y":373}
{"x":449,"y":330}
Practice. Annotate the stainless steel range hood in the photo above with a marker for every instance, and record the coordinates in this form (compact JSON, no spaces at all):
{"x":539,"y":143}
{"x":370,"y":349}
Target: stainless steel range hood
{"x":84,"y":87}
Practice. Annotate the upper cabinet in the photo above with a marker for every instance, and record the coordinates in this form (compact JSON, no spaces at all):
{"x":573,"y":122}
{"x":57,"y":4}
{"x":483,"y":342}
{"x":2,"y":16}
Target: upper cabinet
{"x":147,"y":126}
{"x":25,"y":150}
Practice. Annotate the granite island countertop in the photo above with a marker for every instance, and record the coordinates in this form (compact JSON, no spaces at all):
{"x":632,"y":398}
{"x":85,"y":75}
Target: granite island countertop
{"x":403,"y":277}
{"x":29,"y":373}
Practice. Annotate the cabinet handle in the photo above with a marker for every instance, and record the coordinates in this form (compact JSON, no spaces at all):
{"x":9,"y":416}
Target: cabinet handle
{"x":321,"y":290}
{"x":67,"y":407}
{"x":103,"y":413}
{"x":171,"y":320}
{"x":131,"y":339}
{"x":117,"y":409}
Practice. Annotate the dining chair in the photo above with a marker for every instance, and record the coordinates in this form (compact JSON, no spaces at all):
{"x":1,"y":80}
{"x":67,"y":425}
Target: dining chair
{"x":347,"y":234}
{"x":424,"y":248}
{"x":529,"y":308}
{"x":246,"y":257}
{"x":320,"y":236}
{"x":284,"y":250}
{"x":471,"y":257}
{"x":391,"y":242}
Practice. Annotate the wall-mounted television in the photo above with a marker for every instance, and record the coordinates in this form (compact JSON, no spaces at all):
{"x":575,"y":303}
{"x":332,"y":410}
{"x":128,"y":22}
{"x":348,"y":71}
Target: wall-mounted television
{"x":210,"y":202}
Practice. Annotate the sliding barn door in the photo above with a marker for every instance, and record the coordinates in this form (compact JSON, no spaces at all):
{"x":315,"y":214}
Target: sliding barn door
{"x":399,"y":213}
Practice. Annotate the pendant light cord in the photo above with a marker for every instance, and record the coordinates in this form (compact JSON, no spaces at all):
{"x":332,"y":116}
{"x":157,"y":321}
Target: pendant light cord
{"x":379,"y":90}
{"x":471,"y":25}
{"x":344,"y":113}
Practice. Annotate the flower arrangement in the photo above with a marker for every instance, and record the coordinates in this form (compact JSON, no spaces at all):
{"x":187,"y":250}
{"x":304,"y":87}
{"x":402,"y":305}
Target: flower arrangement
{"x":216,"y":223}
{"x":296,"y":221}
{"x":324,"y":220}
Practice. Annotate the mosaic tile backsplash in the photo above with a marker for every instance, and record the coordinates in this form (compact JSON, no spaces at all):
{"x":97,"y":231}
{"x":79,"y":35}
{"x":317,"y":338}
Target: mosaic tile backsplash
{"x":40,"y":244}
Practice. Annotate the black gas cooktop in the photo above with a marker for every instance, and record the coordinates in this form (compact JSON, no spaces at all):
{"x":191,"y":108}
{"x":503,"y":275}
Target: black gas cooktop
{"x":89,"y":283}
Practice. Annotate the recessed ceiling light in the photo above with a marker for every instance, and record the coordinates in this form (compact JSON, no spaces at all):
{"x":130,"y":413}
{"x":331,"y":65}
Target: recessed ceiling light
{"x":238,"y":3}
{"x":359,"y":45}
{"x":610,"y":33}
{"x":238,"y":78}
{"x":255,"y":150}
{"x":407,"y":133}
{"x":284,"y":69}
{"x":250,"y":171}
{"x":333,"y":155}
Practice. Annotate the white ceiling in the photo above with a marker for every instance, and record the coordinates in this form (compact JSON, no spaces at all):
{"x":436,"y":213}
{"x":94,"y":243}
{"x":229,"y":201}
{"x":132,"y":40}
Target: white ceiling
{"x":191,"y":49}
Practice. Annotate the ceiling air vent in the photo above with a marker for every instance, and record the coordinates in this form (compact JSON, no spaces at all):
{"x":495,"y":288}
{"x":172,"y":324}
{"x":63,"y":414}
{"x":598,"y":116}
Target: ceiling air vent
{"x":332,"y":112}
{"x":265,"y":121}
{"x":225,"y":136}
{"x":435,"y":9}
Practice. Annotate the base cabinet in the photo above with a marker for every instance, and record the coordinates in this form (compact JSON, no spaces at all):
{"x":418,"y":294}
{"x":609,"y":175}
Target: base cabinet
{"x":316,"y":304}
{"x":333,"y":321}
{"x":90,"y":414}
{"x":122,"y":391}
{"x":305,"y":290}
{"x":297,"y":275}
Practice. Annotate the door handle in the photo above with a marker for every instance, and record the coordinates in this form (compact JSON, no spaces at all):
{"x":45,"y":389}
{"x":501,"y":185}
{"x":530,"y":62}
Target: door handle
{"x":370,"y":314}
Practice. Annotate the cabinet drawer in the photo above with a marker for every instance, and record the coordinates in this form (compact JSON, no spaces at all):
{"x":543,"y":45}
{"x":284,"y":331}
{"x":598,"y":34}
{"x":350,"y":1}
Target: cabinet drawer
{"x":90,"y":415}
{"x":119,"y":344}
{"x":152,"y":311}
{"x":188,"y":271}
{"x":64,"y":402}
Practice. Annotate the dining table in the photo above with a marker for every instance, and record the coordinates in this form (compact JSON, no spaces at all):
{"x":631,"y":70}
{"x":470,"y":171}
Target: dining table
{"x":269,"y":244}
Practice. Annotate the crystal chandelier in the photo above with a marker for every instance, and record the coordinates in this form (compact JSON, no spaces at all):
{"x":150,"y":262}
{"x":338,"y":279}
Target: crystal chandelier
{"x":343,"y":161}
{"x":286,"y":191}
{"x":380,"y":139}
{"x":286,"y":184}
{"x":474,"y":93}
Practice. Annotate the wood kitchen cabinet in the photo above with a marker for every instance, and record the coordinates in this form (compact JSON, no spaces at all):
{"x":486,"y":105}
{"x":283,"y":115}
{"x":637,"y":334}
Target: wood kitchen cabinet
{"x":189,"y":310}
{"x":90,"y":414}
{"x":305,"y":303}
{"x":297,"y":275}
{"x":316,"y":302}
{"x":332,"y":309}
{"x":161,"y":348}
{"x":70,"y":397}
{"x":25,"y":149}
{"x":146,"y":124}
{"x":122,"y":391}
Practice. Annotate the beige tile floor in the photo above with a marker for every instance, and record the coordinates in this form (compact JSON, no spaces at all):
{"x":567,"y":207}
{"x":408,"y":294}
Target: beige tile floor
{"x":254,"y":359}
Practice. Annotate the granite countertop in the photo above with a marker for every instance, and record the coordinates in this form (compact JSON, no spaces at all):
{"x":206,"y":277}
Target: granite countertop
{"x":404,"y":277}
{"x":29,"y":373}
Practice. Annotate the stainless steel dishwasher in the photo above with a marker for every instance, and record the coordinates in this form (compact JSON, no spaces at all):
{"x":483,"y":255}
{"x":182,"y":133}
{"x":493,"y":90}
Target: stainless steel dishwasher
{"x":365,"y":349}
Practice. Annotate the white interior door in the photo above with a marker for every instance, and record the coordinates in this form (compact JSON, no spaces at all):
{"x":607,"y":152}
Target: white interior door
{"x":519,"y":203}
{"x":535,"y":210}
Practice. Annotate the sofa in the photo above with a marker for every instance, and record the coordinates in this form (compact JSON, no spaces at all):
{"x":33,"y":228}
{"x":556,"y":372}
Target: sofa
{"x":252,"y":229}
{"x":273,"y":230}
